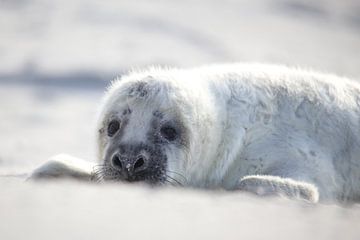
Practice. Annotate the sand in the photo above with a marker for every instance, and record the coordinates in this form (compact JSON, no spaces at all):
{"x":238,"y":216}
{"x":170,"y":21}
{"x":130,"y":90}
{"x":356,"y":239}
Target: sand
{"x":57,"y":58}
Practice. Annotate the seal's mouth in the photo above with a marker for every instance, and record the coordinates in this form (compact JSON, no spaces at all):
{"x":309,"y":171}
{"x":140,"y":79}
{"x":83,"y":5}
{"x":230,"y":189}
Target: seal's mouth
{"x":106,"y":172}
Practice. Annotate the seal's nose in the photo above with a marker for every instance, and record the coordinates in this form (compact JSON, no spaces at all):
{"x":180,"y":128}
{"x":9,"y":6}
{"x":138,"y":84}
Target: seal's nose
{"x":129,"y":166}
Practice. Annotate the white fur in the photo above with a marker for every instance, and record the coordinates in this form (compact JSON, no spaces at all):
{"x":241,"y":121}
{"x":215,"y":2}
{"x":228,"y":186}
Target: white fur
{"x":64,"y":165}
{"x":266,"y":121}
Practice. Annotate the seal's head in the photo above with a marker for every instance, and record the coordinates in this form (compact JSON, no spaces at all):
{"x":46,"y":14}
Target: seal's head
{"x":143,"y":130}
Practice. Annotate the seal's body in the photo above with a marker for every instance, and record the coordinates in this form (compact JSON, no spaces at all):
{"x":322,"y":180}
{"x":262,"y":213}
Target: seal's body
{"x":260,"y":128}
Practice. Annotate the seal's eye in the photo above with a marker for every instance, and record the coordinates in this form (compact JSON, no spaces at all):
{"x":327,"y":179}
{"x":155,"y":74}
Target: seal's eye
{"x":113,"y":127}
{"x":169,"y":133}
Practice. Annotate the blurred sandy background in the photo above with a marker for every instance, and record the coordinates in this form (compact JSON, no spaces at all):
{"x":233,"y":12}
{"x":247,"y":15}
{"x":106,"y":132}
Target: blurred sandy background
{"x":56,"y":58}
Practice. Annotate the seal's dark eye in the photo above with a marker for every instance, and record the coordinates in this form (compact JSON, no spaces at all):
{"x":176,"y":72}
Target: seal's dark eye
{"x":169,"y":133}
{"x":113,"y":127}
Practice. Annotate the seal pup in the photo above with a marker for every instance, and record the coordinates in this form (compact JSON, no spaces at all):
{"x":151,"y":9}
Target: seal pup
{"x":265,"y":129}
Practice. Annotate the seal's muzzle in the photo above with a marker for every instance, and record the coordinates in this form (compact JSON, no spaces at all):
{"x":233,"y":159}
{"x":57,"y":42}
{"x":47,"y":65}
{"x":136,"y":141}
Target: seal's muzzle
{"x":130,"y":165}
{"x":136,"y":162}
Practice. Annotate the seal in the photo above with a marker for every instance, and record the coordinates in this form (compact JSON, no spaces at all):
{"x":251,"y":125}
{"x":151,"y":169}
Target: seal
{"x":265,"y":129}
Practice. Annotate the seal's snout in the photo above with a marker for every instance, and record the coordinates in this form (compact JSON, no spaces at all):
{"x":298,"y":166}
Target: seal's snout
{"x":134,"y":162}
{"x":123,"y":163}
{"x":130,"y":164}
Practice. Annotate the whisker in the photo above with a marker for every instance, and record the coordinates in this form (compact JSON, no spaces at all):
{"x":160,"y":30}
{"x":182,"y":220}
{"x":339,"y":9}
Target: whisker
{"x":179,"y":174}
{"x":180,"y":184}
{"x":101,"y":170}
{"x":168,"y":181}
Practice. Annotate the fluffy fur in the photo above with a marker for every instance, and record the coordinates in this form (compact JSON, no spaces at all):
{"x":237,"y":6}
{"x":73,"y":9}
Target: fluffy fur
{"x":259,"y":128}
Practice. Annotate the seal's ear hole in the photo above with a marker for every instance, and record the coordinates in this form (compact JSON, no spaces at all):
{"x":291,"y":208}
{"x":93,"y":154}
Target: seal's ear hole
{"x":169,"y":133}
{"x":113,"y":127}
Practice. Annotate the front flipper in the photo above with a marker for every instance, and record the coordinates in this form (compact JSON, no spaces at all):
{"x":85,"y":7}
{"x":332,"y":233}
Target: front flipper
{"x":64,"y":166}
{"x":276,"y":186}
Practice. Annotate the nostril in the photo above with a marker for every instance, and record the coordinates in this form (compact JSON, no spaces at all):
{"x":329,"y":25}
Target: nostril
{"x":139,"y":163}
{"x":116,"y":162}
